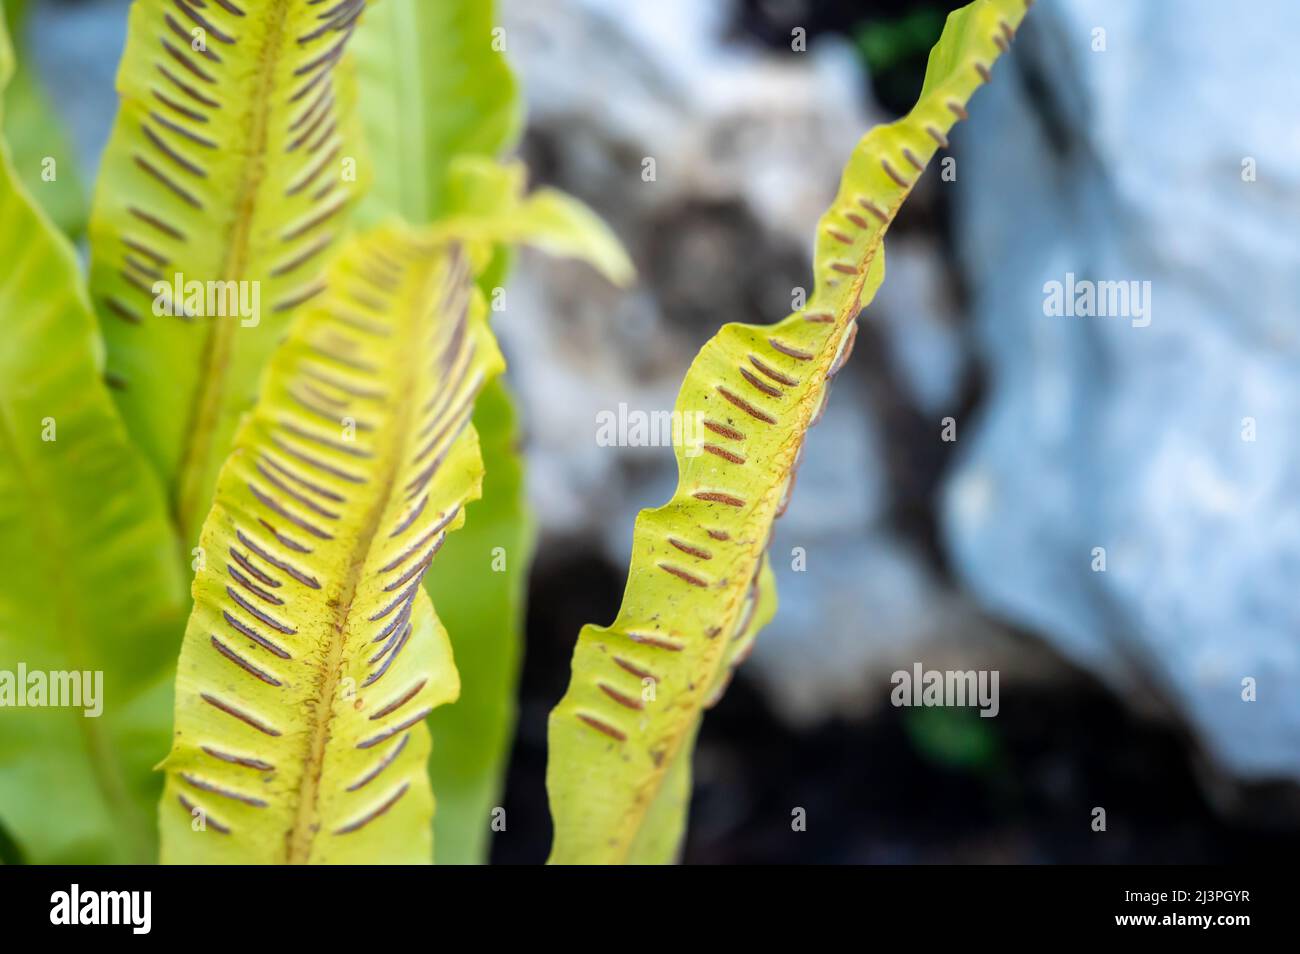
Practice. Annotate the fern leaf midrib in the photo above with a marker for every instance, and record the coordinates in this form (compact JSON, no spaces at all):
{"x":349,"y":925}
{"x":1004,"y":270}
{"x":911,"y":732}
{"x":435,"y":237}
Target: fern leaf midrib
{"x":218,"y":341}
{"x":107,"y":772}
{"x":300,"y":837}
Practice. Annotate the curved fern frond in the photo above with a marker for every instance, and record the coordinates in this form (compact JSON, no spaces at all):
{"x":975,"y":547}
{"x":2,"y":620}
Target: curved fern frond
{"x":91,"y":598}
{"x":232,"y":161}
{"x":755,"y":391}
{"x":313,"y":654}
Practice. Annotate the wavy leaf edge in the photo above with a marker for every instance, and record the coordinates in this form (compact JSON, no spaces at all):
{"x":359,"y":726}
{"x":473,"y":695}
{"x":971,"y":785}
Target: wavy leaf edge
{"x":696,"y":561}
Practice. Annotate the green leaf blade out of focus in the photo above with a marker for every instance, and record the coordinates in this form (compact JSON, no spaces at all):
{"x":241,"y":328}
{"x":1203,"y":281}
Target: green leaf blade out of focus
{"x":91,"y":587}
{"x":42,"y":151}
{"x":955,"y":738}
{"x":697,"y":577}
{"x":435,"y":85}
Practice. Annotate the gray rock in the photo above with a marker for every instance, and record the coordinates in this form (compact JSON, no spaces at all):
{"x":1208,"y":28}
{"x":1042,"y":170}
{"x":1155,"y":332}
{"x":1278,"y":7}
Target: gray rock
{"x":1127,"y":164}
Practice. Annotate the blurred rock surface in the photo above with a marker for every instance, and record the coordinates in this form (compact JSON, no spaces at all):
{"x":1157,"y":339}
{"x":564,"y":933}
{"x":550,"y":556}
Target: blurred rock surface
{"x":1126,"y":164}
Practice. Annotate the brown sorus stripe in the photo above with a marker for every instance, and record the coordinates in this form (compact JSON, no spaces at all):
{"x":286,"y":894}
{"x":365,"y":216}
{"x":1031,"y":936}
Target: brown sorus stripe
{"x":400,"y":701}
{"x":715,"y":497}
{"x":367,"y":818}
{"x":239,"y":714}
{"x":772,"y":373}
{"x":728,"y":432}
{"x":208,"y":820}
{"x":244,"y":664}
{"x":690,"y":548}
{"x":245,"y":630}
{"x":621,"y":698}
{"x":648,"y":639}
{"x":387,"y":760}
{"x":245,"y":761}
{"x":635,"y":670}
{"x":745,"y":406}
{"x":725,"y":454}
{"x":873,"y":208}
{"x":682,"y":574}
{"x":760,"y":384}
{"x":788,"y":351}
{"x":604,"y":727}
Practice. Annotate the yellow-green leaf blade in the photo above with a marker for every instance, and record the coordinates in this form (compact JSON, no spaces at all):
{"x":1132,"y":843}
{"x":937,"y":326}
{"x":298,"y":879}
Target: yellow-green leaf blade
{"x":90,"y":583}
{"x":753,"y":391}
{"x":313,"y":655}
{"x":232,"y":160}
{"x":659,"y":839}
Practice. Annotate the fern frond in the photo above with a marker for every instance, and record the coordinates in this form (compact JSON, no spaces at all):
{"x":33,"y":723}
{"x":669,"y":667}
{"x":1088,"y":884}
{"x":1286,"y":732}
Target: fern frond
{"x":42,"y":152}
{"x":756,"y":390}
{"x":233,"y":160}
{"x":313,"y":654}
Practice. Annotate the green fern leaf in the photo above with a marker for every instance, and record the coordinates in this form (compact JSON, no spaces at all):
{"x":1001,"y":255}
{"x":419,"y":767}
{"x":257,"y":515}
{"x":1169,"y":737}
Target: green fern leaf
{"x":91,"y":598}
{"x":233,"y":160}
{"x":313,"y":654}
{"x":434,"y":87}
{"x":756,"y":390}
